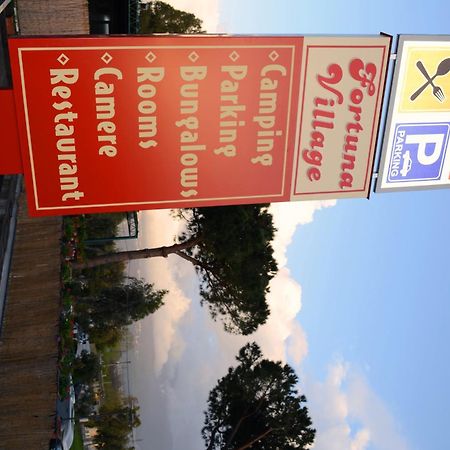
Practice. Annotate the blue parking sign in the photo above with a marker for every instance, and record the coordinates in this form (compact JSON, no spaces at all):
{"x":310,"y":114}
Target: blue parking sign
{"x":418,"y":152}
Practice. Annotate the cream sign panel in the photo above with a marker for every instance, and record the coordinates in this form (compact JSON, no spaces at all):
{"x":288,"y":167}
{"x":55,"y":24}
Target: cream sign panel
{"x":340,"y":107}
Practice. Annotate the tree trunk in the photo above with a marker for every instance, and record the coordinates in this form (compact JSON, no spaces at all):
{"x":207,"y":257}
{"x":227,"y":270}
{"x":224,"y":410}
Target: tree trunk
{"x":247,"y":415}
{"x":137,"y":254}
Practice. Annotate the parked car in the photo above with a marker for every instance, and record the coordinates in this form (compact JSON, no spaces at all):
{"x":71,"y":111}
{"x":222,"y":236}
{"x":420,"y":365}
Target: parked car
{"x":66,"y":418}
{"x":83,"y":344}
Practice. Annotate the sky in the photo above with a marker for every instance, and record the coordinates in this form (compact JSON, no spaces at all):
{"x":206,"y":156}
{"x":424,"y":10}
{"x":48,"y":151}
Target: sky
{"x":360,"y":306}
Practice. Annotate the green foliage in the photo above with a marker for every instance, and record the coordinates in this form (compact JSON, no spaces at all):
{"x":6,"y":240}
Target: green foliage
{"x":107,"y":313}
{"x":114,"y":424}
{"x":66,"y":273}
{"x":231,"y":250}
{"x":86,"y":368}
{"x":84,"y":406}
{"x":160,"y":17}
{"x":68,"y":227}
{"x":119,"y":306}
{"x":234,"y":261}
{"x":256,"y":405}
{"x":66,"y":351}
{"x":101,"y":307}
{"x":102,"y":277}
{"x":63,"y":385}
{"x":100,"y":226}
{"x":77,"y":443}
{"x":77,"y":229}
{"x":105,"y":337}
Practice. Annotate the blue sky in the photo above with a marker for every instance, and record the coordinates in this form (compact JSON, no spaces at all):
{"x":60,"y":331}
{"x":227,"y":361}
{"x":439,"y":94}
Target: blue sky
{"x":375,"y":278}
{"x":366,"y":283}
{"x":375,"y":292}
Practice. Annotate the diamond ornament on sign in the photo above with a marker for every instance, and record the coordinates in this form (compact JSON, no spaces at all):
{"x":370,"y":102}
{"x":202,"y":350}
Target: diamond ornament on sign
{"x":193,"y":56}
{"x":273,"y":56}
{"x":62,"y":59}
{"x":150,"y":57}
{"x":234,"y":56}
{"x":106,"y":58}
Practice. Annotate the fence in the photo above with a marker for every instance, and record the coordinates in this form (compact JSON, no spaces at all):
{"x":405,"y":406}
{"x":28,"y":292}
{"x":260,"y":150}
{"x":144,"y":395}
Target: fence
{"x":53,"y":17}
{"x":28,"y":343}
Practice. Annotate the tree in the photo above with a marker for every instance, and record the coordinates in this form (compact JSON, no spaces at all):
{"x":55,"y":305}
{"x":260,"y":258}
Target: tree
{"x":160,"y":17}
{"x":100,"y":226}
{"x":84,"y":406}
{"x":114,"y":424}
{"x":256,"y":405}
{"x":230,"y":248}
{"x":104,"y":276}
{"x":106,"y":337}
{"x":118,"y":306}
{"x":86,"y":367}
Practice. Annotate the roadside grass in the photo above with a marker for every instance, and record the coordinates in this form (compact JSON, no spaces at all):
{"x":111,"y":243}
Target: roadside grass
{"x":77,"y":443}
{"x":109,"y":354}
{"x":111,"y":396}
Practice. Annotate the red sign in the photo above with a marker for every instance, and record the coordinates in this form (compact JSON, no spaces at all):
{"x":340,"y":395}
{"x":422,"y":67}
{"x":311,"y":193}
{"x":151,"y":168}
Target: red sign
{"x":10,"y":161}
{"x":127,"y":123}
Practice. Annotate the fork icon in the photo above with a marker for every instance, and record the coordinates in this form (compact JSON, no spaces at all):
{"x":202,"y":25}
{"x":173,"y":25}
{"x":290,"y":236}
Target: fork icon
{"x":437,"y":91}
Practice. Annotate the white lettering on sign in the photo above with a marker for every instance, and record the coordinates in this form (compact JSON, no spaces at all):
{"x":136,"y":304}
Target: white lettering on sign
{"x":147,"y":122}
{"x":64,"y":131}
{"x":397,"y":156}
{"x":422,"y":140}
{"x":266,"y":118}
{"x":189,"y":135}
{"x":230,"y":109}
{"x":106,"y":110}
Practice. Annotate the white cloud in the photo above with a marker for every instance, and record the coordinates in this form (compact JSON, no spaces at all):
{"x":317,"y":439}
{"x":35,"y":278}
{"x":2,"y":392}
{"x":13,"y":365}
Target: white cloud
{"x":371,"y":410}
{"x":297,"y":345}
{"x":288,"y":217}
{"x":285,"y":303}
{"x":361,"y":440}
{"x":160,"y":229}
{"x":348,"y":415}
